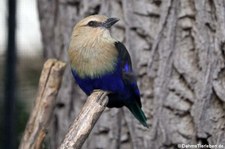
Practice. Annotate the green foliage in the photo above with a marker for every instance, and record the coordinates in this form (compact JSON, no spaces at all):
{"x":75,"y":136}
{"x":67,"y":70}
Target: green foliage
{"x":28,"y":72}
{"x":21,"y":121}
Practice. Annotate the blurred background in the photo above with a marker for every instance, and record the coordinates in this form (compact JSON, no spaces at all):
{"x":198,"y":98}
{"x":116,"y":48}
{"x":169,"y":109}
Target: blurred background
{"x":177,"y":48}
{"x":28,"y":64}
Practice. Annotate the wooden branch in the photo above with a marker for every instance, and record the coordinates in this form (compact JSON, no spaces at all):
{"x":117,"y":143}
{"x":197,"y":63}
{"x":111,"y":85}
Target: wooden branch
{"x":83,"y":124}
{"x":49,"y":85}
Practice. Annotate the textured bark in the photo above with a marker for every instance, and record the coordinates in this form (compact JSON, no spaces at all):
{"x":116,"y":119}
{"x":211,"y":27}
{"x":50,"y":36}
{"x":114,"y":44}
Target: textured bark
{"x":40,"y":117}
{"x":177,"y":48}
{"x":85,"y":121}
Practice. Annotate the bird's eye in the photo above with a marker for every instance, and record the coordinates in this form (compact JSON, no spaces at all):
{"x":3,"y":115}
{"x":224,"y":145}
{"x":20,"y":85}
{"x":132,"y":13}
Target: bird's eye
{"x":93,"y":24}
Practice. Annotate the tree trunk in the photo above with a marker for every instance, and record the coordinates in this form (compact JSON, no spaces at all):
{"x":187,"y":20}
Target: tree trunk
{"x":178,"y":52}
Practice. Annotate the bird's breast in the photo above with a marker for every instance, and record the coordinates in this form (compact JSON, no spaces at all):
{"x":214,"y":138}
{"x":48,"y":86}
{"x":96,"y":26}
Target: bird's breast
{"x":93,"y":61}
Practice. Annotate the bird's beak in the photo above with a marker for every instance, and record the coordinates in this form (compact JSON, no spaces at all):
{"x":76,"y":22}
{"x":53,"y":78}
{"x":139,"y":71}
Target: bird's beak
{"x":109,"y":22}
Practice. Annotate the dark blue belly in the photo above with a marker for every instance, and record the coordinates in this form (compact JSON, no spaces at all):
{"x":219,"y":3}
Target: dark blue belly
{"x":109,"y":82}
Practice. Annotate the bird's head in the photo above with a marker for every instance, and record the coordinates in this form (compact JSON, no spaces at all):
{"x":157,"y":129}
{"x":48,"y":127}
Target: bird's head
{"x":92,"y":50}
{"x":94,"y":25}
{"x":96,"y":21}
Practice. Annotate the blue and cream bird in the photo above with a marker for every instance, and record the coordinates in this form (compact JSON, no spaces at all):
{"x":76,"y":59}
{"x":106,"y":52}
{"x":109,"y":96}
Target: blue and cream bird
{"x":99,"y":61}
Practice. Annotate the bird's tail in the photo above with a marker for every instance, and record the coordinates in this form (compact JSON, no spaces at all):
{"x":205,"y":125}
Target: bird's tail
{"x":138,"y":113}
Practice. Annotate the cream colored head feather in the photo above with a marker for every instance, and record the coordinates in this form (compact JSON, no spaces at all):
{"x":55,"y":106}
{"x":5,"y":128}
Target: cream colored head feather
{"x":92,"y":51}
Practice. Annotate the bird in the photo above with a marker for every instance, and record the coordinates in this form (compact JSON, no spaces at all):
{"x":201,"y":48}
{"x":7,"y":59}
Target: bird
{"x":100,"y":62}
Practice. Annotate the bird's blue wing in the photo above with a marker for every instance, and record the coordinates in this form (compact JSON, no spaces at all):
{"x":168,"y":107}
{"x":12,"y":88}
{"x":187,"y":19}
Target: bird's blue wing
{"x":124,"y":57}
{"x":127,"y":72}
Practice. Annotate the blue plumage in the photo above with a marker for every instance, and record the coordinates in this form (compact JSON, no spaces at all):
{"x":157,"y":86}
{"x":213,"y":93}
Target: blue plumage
{"x":111,"y":81}
{"x":121,"y":83}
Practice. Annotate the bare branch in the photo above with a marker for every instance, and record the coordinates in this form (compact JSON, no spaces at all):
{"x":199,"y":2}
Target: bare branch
{"x":49,"y":84}
{"x":83,"y":124}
